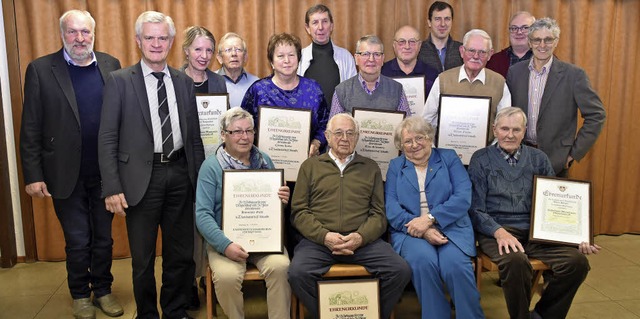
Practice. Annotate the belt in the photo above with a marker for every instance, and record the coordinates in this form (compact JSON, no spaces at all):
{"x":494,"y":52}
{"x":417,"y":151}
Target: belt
{"x":173,"y":156}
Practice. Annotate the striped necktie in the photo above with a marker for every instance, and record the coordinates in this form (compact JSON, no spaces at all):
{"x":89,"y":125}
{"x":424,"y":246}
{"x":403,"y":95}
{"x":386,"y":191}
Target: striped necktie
{"x":163,"y":111}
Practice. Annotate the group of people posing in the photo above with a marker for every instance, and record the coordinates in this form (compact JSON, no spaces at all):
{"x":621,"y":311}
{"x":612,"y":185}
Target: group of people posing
{"x":101,"y":140}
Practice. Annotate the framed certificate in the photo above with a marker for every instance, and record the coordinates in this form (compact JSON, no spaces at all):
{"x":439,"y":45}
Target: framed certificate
{"x":210,"y":108}
{"x":376,"y":135}
{"x":357,"y":299}
{"x":414,"y":90}
{"x":252,"y":213}
{"x":463,"y":124}
{"x":562,"y":212}
{"x":285,"y":134}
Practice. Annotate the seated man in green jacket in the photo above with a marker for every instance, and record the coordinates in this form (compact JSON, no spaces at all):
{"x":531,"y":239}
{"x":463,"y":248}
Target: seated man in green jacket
{"x":338,"y":206}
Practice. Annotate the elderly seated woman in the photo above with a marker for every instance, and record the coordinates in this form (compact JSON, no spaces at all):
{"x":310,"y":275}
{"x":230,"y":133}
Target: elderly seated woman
{"x":428,"y":194}
{"x":228,"y":259}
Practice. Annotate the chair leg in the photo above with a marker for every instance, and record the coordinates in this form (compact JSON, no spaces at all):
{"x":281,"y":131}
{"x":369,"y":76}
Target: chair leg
{"x":535,"y":286}
{"x":478,"y":266}
{"x":211,"y":296}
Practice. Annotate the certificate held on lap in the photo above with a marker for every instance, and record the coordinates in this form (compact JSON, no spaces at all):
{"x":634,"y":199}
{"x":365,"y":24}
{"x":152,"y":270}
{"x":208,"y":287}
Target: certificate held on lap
{"x":284,"y":134}
{"x":252,"y":213}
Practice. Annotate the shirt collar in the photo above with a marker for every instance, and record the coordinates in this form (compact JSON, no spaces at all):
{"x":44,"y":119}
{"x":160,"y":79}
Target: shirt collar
{"x":223,"y":73}
{"x":364,"y":83}
{"x":507,"y":156}
{"x":71,"y":62}
{"x":545,"y":67}
{"x":146,"y":70}
{"x":463,"y":75}
{"x":347,"y":161}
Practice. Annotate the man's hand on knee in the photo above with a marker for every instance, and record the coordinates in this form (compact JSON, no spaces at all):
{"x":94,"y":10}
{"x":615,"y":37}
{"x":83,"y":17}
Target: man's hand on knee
{"x":507,"y":242}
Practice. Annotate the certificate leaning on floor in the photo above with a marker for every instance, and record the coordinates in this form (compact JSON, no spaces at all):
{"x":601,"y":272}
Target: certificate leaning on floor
{"x":252,"y":213}
{"x":561,"y":212}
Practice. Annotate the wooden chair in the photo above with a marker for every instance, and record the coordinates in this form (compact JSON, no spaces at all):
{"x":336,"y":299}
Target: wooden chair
{"x":484,"y":263}
{"x":340,"y":271}
{"x":252,"y":274}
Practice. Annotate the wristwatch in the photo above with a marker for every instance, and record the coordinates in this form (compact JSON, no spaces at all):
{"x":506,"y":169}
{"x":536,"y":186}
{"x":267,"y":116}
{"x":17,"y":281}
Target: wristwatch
{"x":431,"y":218}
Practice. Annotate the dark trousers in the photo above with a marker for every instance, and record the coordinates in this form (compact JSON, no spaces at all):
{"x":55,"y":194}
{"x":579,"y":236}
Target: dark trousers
{"x":87,"y":233}
{"x":568,"y":266}
{"x":311,"y":261}
{"x":168,"y":203}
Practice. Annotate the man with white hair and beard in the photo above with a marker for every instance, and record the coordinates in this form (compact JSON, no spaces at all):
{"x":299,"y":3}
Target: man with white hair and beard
{"x":58,"y":146}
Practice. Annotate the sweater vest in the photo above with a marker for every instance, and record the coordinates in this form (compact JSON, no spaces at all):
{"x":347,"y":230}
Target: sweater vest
{"x":493,"y":87}
{"x":385,"y":97}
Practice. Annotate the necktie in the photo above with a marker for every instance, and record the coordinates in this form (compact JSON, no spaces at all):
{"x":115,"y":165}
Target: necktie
{"x":163,"y":111}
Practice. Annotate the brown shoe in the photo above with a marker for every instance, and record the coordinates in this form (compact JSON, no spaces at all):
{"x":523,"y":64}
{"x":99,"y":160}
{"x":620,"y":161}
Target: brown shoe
{"x":109,"y":305}
{"x":83,"y":309}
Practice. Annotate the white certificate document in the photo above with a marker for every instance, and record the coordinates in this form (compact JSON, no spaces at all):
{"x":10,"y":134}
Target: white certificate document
{"x":414,"y":90}
{"x":376,"y":135}
{"x":252,"y":213}
{"x":210,"y":108}
{"x":284,"y":134}
{"x":463,"y":124}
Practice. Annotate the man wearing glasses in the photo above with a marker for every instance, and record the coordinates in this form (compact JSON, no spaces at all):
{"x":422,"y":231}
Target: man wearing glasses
{"x":551,"y":92}
{"x":338,"y":206}
{"x":406,"y":46}
{"x":233,"y":55}
{"x":369,"y":88}
{"x":470,"y":79}
{"x":518,"y":49}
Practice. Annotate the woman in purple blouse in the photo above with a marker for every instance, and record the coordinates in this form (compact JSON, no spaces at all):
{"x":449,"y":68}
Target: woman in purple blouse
{"x":285,"y":88}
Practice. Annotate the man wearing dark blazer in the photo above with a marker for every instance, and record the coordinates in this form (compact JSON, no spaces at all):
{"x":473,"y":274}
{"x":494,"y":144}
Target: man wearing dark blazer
{"x":58,"y":147}
{"x":150,"y":151}
{"x":551,"y":92}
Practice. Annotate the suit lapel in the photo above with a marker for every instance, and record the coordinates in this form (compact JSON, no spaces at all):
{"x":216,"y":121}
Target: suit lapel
{"x":137,"y":81}
{"x":435,"y":164}
{"x":556,"y":72}
{"x":409,"y":174}
{"x":61,"y":73}
{"x":181,"y":100}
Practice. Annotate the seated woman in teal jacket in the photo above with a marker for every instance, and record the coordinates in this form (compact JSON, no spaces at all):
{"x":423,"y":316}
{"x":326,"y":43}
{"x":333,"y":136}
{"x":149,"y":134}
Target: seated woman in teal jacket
{"x":427,"y":195}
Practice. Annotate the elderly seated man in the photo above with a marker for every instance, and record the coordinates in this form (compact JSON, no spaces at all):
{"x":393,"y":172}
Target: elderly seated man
{"x":502,"y":189}
{"x":338,"y":206}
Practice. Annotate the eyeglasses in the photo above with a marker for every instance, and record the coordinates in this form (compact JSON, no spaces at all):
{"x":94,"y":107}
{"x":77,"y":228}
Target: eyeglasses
{"x":515,"y":29}
{"x":230,"y":50}
{"x":419,"y":139}
{"x":238,"y":133}
{"x":403,"y":42}
{"x":341,"y":134}
{"x":536,"y":41}
{"x":472,"y":52}
{"x":367,"y":55}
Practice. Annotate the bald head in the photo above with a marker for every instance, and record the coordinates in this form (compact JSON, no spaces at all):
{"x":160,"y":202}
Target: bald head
{"x":406,"y":45}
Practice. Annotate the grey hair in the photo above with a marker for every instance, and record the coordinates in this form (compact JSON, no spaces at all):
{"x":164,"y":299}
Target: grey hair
{"x":86,"y":14}
{"x":510,"y":111}
{"x":228,"y":36}
{"x":345,"y":116}
{"x":369,"y":39}
{"x":478,"y":32}
{"x":545,"y":23}
{"x":154,"y":17}
{"x":524,"y":13}
{"x":413,"y":124}
{"x":233,"y":114}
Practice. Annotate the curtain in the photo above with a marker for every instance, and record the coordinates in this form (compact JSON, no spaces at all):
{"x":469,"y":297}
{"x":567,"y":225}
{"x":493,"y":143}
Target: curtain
{"x":600,"y":36}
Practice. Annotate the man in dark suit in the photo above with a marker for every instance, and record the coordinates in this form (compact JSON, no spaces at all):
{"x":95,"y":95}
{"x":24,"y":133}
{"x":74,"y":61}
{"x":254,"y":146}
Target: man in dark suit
{"x":551,"y":92}
{"x":150,"y":151}
{"x":58,"y":147}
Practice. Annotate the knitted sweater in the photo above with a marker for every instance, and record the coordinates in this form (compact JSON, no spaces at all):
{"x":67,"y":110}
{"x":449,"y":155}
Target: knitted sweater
{"x":326,"y":200}
{"x":501,"y":194}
